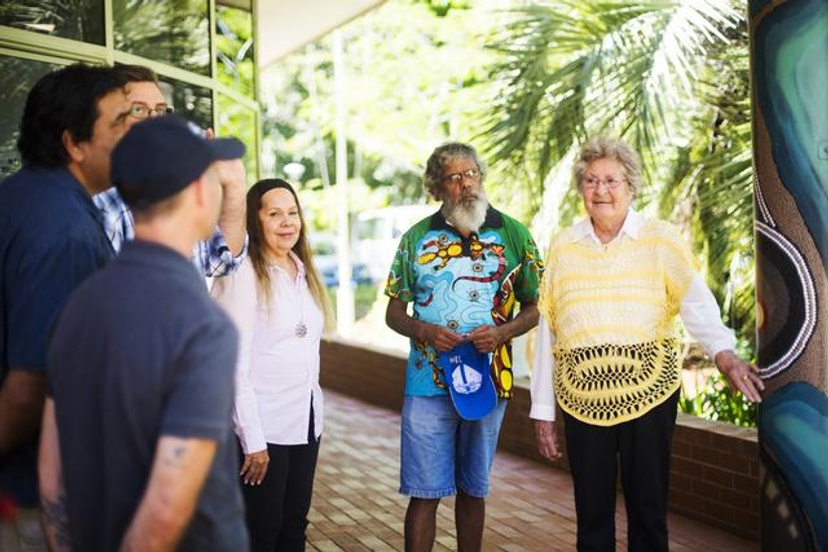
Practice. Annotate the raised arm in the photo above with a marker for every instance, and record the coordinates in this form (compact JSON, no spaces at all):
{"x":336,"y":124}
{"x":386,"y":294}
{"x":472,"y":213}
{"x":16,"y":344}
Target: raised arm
{"x":233,"y":207}
{"x":178,"y":473}
{"x":224,"y":252}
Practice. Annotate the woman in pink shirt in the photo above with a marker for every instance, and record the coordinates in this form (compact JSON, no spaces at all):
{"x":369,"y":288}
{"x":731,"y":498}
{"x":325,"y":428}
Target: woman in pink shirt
{"x":280,"y":307}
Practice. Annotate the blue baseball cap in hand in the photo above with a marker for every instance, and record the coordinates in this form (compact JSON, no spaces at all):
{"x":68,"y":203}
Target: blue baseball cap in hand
{"x":467,"y":374}
{"x":159,"y":157}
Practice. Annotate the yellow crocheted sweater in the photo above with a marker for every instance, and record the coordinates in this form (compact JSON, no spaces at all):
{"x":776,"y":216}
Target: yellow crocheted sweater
{"x":613,"y":311}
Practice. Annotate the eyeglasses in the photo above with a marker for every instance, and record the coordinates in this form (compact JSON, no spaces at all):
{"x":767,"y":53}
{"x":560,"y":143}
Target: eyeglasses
{"x":142,"y":110}
{"x":612,"y":183}
{"x":457,"y":178}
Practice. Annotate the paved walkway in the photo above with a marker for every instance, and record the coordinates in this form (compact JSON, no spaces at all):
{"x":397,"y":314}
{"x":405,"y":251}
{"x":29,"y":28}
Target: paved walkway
{"x":356,"y":506}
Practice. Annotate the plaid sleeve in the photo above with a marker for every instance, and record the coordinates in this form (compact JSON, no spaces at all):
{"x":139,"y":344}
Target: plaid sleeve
{"x":213,"y":257}
{"x":117,"y":218}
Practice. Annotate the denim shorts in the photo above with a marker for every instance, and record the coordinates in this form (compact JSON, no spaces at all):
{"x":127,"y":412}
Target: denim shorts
{"x":440,"y":452}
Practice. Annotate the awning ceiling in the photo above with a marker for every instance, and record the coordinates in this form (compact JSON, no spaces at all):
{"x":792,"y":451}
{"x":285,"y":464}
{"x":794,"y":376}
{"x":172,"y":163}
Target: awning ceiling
{"x":285,"y":25}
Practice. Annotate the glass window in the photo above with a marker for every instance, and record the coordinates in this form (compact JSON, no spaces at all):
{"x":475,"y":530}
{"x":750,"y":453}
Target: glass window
{"x":79,"y":20}
{"x":175,"y":32}
{"x":234,"y":49}
{"x":192,"y":102}
{"x":17,"y":77}
{"x":238,"y":120}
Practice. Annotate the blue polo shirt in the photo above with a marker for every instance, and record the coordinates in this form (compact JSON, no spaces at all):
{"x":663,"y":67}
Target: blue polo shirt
{"x":140,"y":352}
{"x":51,"y":239}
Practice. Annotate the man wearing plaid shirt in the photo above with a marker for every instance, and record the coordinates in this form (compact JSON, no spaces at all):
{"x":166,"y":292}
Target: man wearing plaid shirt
{"x":212,"y":257}
{"x":224,"y":251}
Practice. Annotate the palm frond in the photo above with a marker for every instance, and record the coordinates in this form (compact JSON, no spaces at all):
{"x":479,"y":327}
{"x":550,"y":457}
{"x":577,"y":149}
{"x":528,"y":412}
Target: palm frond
{"x":671,"y":78}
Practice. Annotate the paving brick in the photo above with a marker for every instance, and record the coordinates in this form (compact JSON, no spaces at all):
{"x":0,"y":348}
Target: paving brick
{"x":356,"y":505}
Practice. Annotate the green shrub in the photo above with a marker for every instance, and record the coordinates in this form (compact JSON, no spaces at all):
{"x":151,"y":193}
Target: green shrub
{"x":716,"y":401}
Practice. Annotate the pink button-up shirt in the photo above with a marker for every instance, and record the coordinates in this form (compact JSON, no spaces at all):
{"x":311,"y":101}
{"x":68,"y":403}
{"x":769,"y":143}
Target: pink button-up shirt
{"x":277,"y":374}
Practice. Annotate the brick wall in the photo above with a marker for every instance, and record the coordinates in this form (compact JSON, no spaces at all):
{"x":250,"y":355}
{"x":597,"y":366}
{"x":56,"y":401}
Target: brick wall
{"x":715,"y":467}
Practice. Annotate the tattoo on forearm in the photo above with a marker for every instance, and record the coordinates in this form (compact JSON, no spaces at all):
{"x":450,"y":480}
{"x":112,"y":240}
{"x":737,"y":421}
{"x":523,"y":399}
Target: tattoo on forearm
{"x":56,"y":520}
{"x":175,"y":459}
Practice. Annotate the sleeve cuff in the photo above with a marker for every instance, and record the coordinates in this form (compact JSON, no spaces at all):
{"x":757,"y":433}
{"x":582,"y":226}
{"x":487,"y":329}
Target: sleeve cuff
{"x":252,"y":443}
{"x":716,"y":347}
{"x":542,"y":412}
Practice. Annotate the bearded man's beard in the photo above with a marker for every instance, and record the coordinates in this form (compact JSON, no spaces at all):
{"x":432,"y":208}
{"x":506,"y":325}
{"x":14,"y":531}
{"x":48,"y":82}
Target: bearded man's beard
{"x":468,"y":213}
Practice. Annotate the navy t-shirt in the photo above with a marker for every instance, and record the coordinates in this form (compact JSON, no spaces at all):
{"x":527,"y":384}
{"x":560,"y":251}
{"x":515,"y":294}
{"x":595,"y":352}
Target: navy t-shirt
{"x":141,"y":352}
{"x":51,"y":239}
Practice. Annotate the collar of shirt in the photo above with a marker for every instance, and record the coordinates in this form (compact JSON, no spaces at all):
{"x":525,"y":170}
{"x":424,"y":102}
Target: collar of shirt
{"x":631,"y":227}
{"x":300,"y":267}
{"x":493,"y":220}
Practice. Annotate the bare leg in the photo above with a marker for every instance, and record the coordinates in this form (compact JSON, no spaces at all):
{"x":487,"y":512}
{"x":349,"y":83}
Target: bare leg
{"x":469,"y":515}
{"x":421,"y":524}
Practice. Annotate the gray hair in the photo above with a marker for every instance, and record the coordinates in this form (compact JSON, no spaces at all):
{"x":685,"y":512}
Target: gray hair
{"x":433,"y":175}
{"x":604,"y":147}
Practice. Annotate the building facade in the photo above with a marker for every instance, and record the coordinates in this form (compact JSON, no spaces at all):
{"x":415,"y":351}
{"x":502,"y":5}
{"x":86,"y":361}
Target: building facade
{"x":202,"y":50}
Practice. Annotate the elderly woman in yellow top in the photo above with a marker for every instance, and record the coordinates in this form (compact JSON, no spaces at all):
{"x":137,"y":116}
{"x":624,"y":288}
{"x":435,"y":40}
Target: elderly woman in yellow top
{"x":608,"y":350}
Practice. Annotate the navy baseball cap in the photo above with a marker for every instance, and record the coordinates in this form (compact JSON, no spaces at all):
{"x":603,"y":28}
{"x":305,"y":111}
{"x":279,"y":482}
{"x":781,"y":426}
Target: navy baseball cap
{"x":159,"y":157}
{"x":467,"y":374}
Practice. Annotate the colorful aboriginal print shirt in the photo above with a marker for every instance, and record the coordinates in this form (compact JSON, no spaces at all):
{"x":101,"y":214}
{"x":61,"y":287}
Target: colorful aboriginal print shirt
{"x":463,"y":283}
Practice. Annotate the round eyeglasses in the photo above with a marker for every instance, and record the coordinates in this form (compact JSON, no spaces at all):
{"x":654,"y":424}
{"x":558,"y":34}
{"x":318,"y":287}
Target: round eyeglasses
{"x":457,"y":178}
{"x":142,"y":111}
{"x":592,"y":182}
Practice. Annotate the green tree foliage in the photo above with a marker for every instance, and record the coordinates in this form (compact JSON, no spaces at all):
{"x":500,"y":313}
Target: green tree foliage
{"x":528,"y":85}
{"x":415,"y":76}
{"x":669,"y":77}
{"x":234,"y":49}
{"x":716,"y":401}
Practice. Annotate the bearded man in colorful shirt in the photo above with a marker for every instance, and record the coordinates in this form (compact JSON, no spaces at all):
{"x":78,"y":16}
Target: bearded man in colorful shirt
{"x":464,"y":269}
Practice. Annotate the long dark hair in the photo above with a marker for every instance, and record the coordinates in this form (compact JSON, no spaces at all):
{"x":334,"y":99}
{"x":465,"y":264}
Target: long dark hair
{"x":302,"y":249}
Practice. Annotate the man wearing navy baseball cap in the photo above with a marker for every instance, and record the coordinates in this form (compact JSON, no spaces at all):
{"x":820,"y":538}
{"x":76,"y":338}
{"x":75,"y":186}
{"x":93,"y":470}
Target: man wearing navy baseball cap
{"x":137,"y":447}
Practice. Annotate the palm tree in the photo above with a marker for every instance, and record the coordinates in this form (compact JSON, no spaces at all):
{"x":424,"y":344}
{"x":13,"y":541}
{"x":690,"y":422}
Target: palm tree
{"x":670,"y":77}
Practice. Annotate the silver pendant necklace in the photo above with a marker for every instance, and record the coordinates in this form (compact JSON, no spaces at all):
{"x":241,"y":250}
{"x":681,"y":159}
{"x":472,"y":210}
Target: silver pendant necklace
{"x":301,"y":329}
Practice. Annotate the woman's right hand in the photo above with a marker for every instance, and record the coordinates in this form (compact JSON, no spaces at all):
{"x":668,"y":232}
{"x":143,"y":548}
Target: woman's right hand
{"x":546,"y":434}
{"x":254,"y":467}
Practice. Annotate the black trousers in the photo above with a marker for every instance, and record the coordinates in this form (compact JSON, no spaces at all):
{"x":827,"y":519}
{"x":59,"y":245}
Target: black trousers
{"x":277,"y":510}
{"x":642,"y":449}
